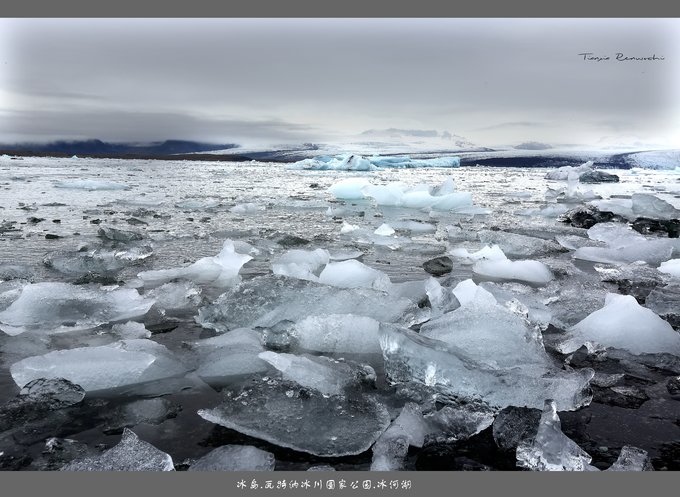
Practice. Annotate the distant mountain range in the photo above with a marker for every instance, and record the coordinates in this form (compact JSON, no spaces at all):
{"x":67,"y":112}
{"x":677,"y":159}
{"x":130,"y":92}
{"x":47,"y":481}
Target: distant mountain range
{"x":98,"y":147}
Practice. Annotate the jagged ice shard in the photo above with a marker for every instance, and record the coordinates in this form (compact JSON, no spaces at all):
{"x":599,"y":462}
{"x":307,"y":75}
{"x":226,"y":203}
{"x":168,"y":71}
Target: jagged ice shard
{"x":552,"y":450}
{"x":131,"y":454}
{"x":410,"y":356}
{"x":218,"y":271}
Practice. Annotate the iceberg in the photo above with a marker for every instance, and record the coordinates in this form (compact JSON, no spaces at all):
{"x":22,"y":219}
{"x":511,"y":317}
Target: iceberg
{"x":235,"y":458}
{"x":564,"y":173}
{"x":652,"y":207}
{"x":131,"y":454}
{"x":479,"y":322}
{"x":411,"y":357}
{"x":625,"y":246}
{"x":303,"y":264}
{"x":219,"y":271}
{"x":527,"y":271}
{"x":359,"y":163}
{"x":349,"y":189}
{"x":301,"y":419}
{"x":323,"y":374}
{"x":127,"y":362}
{"x":671,"y":267}
{"x":338,"y":333}
{"x":354,"y":274}
{"x":53,"y":307}
{"x":231,"y":354}
{"x":397,"y":194}
{"x":384,"y":230}
{"x":247,"y":208}
{"x":408,"y":429}
{"x":632,"y":459}
{"x":552,"y":450}
{"x":266,"y":300}
{"x":623,"y":323}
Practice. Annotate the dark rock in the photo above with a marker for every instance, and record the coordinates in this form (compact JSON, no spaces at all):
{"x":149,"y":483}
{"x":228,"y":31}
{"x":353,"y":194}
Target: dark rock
{"x":60,"y":451}
{"x":56,"y":221}
{"x":646,"y":226}
{"x":628,"y":397}
{"x":588,"y":216}
{"x":119,"y":235}
{"x":96,"y":221}
{"x":50,"y":236}
{"x":37,"y":398}
{"x":291,"y":241}
{"x":673,"y":386}
{"x":135,"y":222}
{"x":438,"y":266}
{"x":35,"y":220}
{"x":514,"y":425}
{"x":595,"y":176}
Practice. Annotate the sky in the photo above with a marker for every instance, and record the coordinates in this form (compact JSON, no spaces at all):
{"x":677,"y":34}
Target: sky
{"x":268,"y":81}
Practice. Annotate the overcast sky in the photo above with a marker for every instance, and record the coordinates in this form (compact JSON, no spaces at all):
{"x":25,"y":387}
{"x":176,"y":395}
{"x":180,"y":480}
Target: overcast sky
{"x":497,"y":81}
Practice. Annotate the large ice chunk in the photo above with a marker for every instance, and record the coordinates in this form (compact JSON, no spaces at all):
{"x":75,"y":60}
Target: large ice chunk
{"x":218,"y":271}
{"x":303,"y":264}
{"x":625,"y":246}
{"x":653,"y":207}
{"x":231,"y":354}
{"x":339,"y":163}
{"x":235,"y":458}
{"x":408,"y":429}
{"x":459,"y":421}
{"x":131,"y":454}
{"x":410,"y":356}
{"x":528,"y":271}
{"x":354,"y":274}
{"x":632,"y":459}
{"x":323,"y":374}
{"x":338,"y":333}
{"x":480,"y":322}
{"x":267,"y":300}
{"x":623,"y":323}
{"x":290,"y":416}
{"x":349,"y":189}
{"x":552,"y":450}
{"x":517,"y":245}
{"x":671,"y":267}
{"x":53,"y":307}
{"x":563,"y":173}
{"x":126,"y":362}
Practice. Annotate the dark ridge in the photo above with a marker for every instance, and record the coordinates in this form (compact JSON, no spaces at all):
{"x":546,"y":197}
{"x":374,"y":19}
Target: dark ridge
{"x":101,"y":148}
{"x":617,"y":162}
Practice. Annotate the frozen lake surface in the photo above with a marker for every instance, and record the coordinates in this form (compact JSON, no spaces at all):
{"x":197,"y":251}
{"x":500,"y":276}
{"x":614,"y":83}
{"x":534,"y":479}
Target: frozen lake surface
{"x":397,"y":320}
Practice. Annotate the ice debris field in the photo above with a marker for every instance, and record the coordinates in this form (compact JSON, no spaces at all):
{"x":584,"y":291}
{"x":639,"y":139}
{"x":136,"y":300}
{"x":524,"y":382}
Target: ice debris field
{"x":340,"y":313}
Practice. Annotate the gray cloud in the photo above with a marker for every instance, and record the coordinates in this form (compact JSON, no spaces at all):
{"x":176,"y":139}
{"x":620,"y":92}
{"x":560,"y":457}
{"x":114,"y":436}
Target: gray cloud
{"x":474,"y":77}
{"x":144,"y":126}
